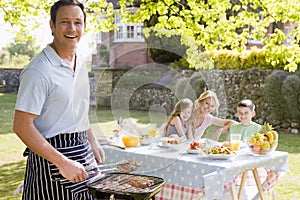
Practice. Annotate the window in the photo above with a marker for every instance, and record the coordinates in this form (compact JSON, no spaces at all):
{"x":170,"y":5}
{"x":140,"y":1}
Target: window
{"x":99,"y":37}
{"x":128,"y":32}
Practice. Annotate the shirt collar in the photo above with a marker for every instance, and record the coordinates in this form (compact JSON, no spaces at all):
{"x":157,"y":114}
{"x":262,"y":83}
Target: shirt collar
{"x":54,"y":57}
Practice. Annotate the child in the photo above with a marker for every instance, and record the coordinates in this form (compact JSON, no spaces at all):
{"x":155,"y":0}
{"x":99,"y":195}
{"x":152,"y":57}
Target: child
{"x":177,"y":123}
{"x":246,"y":127}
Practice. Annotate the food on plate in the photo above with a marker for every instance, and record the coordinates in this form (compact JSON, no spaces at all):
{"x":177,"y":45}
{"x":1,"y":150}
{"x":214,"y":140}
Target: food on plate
{"x":141,"y":182}
{"x":174,"y":141}
{"x":128,"y":166}
{"x":220,"y":150}
{"x":195,"y":146}
{"x":264,"y":141}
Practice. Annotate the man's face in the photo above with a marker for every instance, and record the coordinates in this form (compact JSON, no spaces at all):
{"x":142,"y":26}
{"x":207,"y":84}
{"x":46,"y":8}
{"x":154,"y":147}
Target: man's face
{"x":69,"y":26}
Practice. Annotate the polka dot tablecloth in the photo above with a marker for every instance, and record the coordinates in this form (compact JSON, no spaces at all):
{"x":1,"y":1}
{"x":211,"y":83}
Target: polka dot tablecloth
{"x":194,"y":176}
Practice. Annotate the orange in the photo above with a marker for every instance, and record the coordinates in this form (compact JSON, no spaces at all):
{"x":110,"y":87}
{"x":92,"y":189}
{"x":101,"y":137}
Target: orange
{"x":256,"y":148}
{"x":260,"y":142}
{"x":253,"y":141}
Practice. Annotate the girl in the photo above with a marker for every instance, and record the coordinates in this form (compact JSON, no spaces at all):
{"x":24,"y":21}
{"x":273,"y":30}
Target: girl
{"x":177,"y":123}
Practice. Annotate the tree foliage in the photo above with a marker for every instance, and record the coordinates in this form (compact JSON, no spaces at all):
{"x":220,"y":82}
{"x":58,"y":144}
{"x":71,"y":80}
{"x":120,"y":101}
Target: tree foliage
{"x":27,"y":48}
{"x":219,"y":24}
{"x":211,"y":24}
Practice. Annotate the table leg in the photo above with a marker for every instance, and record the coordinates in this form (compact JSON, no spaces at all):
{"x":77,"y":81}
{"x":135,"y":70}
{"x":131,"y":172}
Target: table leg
{"x":233,"y":192}
{"x":258,"y":184}
{"x":242,"y":184}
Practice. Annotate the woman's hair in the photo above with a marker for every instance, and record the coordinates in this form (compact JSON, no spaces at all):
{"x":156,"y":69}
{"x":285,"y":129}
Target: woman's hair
{"x":60,"y":3}
{"x":179,"y":106}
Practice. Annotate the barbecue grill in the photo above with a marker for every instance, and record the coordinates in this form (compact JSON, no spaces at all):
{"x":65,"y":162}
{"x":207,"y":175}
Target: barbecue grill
{"x":116,"y":186}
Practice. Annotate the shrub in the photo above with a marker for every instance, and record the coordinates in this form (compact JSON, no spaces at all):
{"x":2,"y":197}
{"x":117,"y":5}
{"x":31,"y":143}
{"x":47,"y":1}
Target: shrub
{"x":274,"y":96}
{"x":291,"y":91}
{"x":190,"y":87}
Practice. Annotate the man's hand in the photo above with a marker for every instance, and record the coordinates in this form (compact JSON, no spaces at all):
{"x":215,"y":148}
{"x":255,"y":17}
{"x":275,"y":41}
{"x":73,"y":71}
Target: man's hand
{"x":73,"y":171}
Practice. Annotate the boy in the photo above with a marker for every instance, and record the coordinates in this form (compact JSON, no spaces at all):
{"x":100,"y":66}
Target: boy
{"x":246,"y":127}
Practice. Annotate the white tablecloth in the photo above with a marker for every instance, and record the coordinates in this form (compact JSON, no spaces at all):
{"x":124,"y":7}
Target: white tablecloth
{"x":195,"y":171}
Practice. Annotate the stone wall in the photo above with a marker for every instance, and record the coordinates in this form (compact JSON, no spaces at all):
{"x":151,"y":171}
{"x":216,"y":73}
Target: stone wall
{"x":157,"y":88}
{"x":9,"y":80}
{"x":118,"y":88}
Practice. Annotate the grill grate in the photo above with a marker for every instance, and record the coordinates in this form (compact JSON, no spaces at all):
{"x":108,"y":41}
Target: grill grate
{"x":118,"y":185}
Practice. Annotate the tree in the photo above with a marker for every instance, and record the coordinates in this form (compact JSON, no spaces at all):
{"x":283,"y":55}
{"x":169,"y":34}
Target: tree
{"x":27,"y":48}
{"x":219,"y":24}
{"x":211,"y":24}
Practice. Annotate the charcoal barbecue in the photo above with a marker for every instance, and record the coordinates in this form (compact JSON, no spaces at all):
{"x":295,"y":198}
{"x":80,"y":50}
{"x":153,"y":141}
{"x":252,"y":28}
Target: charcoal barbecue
{"x":117,"y":186}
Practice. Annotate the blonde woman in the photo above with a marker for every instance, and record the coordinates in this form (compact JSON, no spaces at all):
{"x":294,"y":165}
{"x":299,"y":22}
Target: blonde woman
{"x":202,"y":117}
{"x":178,"y":121}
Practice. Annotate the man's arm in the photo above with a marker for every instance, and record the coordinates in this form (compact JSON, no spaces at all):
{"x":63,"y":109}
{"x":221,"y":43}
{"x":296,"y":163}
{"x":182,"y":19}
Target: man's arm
{"x":24,"y":128}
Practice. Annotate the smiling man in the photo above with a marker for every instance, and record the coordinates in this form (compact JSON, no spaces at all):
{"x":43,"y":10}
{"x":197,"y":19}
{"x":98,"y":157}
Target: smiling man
{"x":51,"y":113}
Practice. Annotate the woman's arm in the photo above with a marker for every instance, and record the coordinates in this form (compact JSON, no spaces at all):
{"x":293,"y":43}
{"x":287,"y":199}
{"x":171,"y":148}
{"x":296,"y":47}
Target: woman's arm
{"x":222,"y":122}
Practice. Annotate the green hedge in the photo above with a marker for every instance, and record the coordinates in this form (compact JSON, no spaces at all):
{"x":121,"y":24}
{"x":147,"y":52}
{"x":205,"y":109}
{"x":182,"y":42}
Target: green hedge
{"x":255,"y":58}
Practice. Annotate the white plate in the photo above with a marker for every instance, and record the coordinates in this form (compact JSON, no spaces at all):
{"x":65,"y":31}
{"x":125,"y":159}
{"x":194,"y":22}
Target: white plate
{"x":163,"y":139}
{"x":162,"y":145}
{"x":177,"y":147}
{"x":193,"y":151}
{"x":220,"y":156}
{"x":104,"y":140}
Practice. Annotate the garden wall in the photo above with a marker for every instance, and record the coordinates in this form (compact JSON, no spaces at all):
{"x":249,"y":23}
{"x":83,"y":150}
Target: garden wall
{"x":157,"y":88}
{"x":116,"y":88}
{"x":9,"y":80}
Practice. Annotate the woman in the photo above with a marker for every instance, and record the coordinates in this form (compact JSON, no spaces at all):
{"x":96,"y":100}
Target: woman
{"x":202,"y":118}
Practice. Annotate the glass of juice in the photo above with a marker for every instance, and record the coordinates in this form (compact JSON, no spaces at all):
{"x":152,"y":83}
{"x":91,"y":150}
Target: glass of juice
{"x":235,"y":141}
{"x":152,"y":130}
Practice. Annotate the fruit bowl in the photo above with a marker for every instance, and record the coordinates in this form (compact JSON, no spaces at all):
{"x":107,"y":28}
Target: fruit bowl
{"x":258,"y":150}
{"x":263,"y":142}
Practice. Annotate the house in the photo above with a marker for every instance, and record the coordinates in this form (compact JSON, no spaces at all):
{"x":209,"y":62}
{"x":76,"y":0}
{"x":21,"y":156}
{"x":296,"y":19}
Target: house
{"x":125,"y":48}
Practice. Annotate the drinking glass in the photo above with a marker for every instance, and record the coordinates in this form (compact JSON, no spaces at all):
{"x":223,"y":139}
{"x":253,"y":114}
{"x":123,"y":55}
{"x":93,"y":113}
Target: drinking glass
{"x":235,"y":141}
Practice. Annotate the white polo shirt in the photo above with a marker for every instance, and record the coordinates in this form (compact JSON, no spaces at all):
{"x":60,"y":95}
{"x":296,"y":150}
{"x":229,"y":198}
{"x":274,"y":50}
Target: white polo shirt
{"x":55,"y":93}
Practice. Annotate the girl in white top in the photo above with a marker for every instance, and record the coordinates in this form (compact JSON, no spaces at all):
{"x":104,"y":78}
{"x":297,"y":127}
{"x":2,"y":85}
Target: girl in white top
{"x":201,"y":119}
{"x":178,"y":123}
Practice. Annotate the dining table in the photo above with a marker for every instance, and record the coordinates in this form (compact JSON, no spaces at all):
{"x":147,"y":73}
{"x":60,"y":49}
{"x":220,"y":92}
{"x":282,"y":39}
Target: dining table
{"x":197,"y":176}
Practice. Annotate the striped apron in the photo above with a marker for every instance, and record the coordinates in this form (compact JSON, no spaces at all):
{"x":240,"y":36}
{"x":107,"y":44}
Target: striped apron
{"x":42,"y":178}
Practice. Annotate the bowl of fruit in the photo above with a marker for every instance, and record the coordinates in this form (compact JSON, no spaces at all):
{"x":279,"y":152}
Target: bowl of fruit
{"x":263,"y":142}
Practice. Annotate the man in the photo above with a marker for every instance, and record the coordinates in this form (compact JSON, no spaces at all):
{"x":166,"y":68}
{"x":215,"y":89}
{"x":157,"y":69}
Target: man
{"x":51,"y":113}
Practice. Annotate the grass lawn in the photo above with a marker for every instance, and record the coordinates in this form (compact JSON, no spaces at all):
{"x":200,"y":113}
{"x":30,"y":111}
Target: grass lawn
{"x":12,"y":164}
